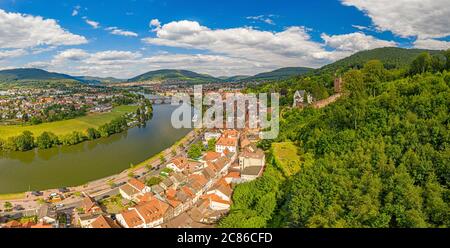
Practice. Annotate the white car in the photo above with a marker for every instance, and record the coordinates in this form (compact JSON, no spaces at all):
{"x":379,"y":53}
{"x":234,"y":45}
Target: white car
{"x":59,"y":206}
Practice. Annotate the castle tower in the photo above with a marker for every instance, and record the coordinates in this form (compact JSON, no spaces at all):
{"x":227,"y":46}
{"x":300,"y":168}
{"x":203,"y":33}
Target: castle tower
{"x":337,"y":84}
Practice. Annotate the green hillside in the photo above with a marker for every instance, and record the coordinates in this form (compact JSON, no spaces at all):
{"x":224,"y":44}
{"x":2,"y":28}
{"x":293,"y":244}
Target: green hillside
{"x":175,"y":76}
{"x":376,"y":158}
{"x":98,"y":80}
{"x":392,"y":57}
{"x":32,"y":74}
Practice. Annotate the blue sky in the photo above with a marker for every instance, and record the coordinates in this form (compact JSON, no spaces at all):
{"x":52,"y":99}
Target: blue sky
{"x":115,"y":38}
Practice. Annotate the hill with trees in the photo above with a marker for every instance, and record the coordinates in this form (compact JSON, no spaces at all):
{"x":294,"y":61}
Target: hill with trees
{"x":279,"y":74}
{"x":175,"y":76}
{"x":391,"y":57}
{"x":32,"y":74}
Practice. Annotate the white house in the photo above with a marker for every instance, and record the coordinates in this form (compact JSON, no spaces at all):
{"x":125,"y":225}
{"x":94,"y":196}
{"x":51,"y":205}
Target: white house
{"x":226,"y":143}
{"x":178,"y":164}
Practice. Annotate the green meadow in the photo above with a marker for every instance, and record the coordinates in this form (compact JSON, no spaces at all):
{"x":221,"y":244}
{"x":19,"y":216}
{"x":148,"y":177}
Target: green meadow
{"x":286,"y":157}
{"x":67,"y":126}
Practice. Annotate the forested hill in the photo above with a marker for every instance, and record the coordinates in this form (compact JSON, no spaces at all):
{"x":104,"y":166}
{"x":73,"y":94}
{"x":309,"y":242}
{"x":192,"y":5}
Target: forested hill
{"x":378,"y":157}
{"x":279,"y":74}
{"x":174,"y":76}
{"x":391,"y":57}
{"x":32,"y":74}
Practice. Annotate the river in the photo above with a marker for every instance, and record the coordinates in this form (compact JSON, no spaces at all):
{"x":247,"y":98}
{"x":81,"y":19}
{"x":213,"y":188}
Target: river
{"x":88,"y":161}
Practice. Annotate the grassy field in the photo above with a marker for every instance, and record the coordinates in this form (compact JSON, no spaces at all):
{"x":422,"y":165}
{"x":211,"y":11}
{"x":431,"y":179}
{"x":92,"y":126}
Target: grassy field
{"x":286,"y":157}
{"x":64,"y":127}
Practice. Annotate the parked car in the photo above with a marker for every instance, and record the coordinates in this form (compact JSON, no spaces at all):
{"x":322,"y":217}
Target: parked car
{"x":18,"y":208}
{"x":37,"y":193}
{"x":63,"y":190}
{"x":59,"y":206}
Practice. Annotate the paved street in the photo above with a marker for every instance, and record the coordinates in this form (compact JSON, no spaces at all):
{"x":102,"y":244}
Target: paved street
{"x":100,"y":188}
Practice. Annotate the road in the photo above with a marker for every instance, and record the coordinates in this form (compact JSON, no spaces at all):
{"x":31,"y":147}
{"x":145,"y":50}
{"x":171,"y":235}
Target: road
{"x":101,"y":188}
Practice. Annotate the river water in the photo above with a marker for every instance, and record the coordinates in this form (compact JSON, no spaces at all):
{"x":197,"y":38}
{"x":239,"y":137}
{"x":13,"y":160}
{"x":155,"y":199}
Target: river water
{"x":79,"y":164}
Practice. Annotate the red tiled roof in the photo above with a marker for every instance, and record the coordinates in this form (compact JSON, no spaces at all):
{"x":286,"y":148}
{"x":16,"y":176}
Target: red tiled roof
{"x":224,"y":141}
{"x":153,"y":210}
{"x":145,"y":197}
{"x":187,"y":191}
{"x":41,"y":225}
{"x":104,"y":222}
{"x":216,"y":198}
{"x":230,"y":133}
{"x":180,"y":162}
{"x":171,"y":193}
{"x":211,"y":156}
{"x":132,"y":218}
{"x":13,"y":224}
{"x":197,"y":181}
{"x":89,"y":204}
{"x":234,"y":174}
{"x":136,"y":184}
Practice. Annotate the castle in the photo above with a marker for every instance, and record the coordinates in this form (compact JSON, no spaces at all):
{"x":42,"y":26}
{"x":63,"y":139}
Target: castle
{"x":303,"y":98}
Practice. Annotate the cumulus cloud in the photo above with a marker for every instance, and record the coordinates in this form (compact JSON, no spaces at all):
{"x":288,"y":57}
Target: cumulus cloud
{"x":290,"y":47}
{"x":126,"y":64}
{"x":406,"y":18}
{"x":27,"y":31}
{"x":355,"y":42}
{"x":155,"y":24}
{"x":118,"y":31}
{"x":262,"y":18}
{"x":292,"y":43}
{"x":8,"y":54}
{"x":71,"y":54}
{"x":432,"y":44}
{"x":75,"y":10}
{"x":93,"y":24}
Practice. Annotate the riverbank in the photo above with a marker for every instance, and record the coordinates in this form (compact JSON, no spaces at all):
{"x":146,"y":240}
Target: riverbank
{"x":67,"y":166}
{"x":103,"y":186}
{"x":80,"y":124}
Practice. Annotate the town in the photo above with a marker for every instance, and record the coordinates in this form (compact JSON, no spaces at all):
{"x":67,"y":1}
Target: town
{"x":36,"y":105}
{"x":189,"y":190}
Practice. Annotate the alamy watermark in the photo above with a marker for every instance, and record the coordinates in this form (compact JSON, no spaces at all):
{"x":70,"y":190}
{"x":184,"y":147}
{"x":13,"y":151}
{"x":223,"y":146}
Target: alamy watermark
{"x":234,"y":110}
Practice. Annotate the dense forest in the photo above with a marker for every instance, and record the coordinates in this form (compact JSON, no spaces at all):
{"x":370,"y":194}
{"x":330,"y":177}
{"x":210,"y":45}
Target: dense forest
{"x":378,"y":157}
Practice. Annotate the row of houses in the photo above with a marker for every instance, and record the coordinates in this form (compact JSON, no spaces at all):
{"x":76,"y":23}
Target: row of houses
{"x":197,"y":190}
{"x":194,"y":193}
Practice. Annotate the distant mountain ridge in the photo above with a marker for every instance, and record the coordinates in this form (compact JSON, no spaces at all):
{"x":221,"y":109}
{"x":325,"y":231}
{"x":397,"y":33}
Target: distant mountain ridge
{"x":392,"y":57}
{"x":31,"y":74}
{"x":174,"y":76}
{"x":279,"y":74}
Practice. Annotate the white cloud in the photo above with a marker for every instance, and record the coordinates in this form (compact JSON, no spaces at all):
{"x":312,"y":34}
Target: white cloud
{"x":263,"y":49}
{"x":406,"y":18}
{"x":114,"y":56}
{"x":71,"y":54}
{"x":93,"y":24}
{"x":118,"y":31}
{"x":8,"y":54}
{"x":355,"y":42}
{"x":155,"y":24}
{"x":75,"y":10}
{"x":262,"y":18}
{"x":103,"y":63}
{"x":26,"y":31}
{"x":292,"y":44}
{"x":432,"y":44}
